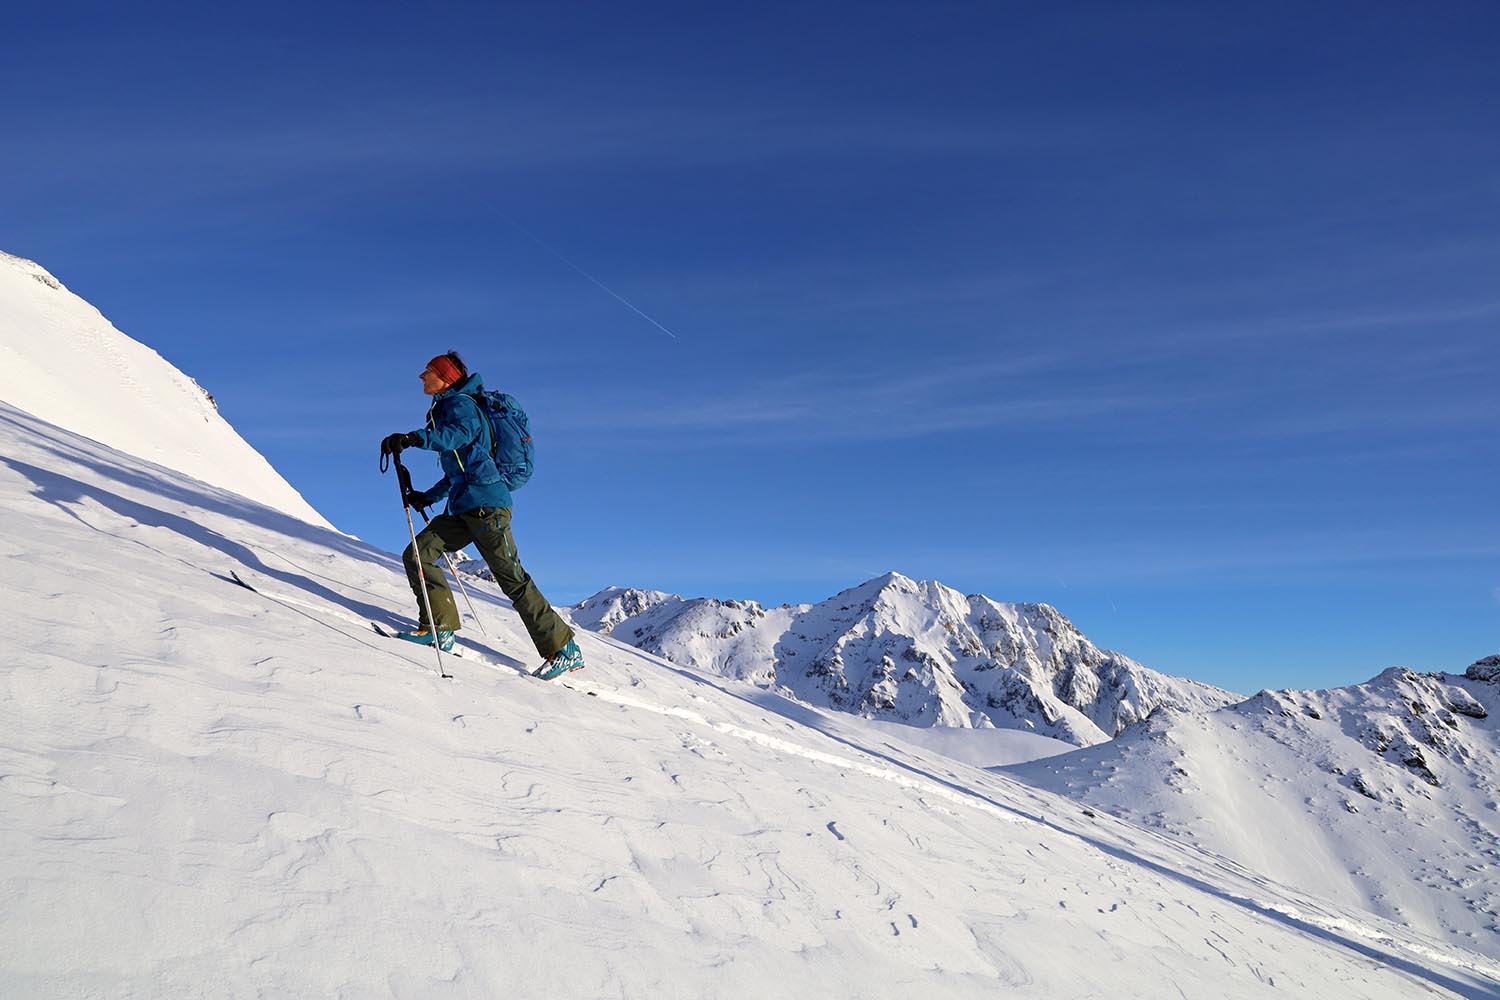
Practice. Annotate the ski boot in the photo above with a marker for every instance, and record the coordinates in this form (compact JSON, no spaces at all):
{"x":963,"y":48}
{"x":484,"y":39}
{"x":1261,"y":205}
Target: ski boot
{"x":565,"y":660}
{"x":423,"y":637}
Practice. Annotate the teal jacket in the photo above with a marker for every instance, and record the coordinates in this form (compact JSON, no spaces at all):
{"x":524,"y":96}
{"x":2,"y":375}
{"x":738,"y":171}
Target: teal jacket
{"x":460,"y":434}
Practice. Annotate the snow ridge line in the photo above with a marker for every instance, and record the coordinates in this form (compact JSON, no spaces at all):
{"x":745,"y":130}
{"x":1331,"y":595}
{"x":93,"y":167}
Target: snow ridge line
{"x":1356,"y":929}
{"x":797,"y":750}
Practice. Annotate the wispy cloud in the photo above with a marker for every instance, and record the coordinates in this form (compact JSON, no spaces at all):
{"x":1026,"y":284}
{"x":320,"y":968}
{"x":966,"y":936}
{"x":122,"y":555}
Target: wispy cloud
{"x":1473,"y":414}
{"x":236,"y":146}
{"x":1287,"y":558}
{"x":847,"y":406}
{"x":1312,"y":324}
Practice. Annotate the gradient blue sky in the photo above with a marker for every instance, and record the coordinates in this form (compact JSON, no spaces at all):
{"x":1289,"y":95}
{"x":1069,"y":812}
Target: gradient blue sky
{"x":1179,"y":316}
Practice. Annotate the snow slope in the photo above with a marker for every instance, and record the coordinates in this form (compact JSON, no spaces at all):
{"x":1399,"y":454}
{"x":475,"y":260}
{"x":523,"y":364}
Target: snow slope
{"x":903,"y":651}
{"x":1382,"y":795}
{"x":64,"y":362}
{"x":211,"y":791}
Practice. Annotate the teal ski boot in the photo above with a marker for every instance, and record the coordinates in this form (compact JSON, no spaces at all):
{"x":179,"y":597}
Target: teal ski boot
{"x":565,"y":660}
{"x":423,"y":637}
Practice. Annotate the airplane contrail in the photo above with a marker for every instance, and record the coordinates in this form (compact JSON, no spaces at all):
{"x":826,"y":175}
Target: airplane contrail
{"x":601,"y":285}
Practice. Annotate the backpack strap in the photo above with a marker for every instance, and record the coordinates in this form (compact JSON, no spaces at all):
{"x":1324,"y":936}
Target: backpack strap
{"x":484,"y":418}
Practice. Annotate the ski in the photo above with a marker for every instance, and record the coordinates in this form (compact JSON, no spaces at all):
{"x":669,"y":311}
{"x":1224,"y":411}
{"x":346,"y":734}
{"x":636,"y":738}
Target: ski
{"x":294,"y":603}
{"x":391,"y":634}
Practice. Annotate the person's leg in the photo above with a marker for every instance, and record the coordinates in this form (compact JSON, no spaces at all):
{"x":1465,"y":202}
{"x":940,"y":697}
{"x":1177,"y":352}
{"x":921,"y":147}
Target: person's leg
{"x":490,"y":527}
{"x":443,"y":534}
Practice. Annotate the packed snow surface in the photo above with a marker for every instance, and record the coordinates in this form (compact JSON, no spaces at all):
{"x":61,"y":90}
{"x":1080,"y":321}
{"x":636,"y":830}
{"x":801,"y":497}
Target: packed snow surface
{"x":214,"y":791}
{"x":65,"y":363}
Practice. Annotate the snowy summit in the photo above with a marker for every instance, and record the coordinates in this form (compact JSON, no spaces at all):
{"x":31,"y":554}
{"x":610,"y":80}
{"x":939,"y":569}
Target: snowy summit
{"x":906,"y":651}
{"x":62,"y":361}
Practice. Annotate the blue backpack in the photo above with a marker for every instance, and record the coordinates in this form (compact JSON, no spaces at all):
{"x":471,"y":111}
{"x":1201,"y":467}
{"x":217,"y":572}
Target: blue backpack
{"x":510,"y":437}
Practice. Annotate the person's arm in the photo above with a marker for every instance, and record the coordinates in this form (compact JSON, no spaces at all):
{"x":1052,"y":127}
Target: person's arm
{"x":454,"y":425}
{"x":438,"y":491}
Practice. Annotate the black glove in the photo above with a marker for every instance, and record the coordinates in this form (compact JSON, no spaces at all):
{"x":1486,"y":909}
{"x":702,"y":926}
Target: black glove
{"x":415,"y":498}
{"x":393,"y":443}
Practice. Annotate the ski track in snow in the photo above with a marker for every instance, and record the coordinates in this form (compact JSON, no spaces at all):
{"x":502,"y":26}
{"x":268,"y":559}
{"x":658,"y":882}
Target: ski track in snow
{"x":211,"y":790}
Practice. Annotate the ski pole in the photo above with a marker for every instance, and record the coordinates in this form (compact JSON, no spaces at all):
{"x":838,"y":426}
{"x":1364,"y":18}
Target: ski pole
{"x":403,"y":477}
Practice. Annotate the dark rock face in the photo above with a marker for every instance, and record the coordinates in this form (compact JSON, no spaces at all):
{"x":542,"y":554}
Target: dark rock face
{"x":1487,"y":669}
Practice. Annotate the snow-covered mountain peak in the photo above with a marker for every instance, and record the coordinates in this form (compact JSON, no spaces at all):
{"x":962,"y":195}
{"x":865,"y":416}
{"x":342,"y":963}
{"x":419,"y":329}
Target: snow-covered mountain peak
{"x":1410,"y":719}
{"x":909,"y":651}
{"x":31,"y":268}
{"x":898,"y":599}
{"x":63,"y":362}
{"x":888,"y":586}
{"x":609,"y":607}
{"x":929,"y":604}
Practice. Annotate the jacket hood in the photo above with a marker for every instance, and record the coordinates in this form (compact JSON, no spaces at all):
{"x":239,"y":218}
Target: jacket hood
{"x":472,"y":383}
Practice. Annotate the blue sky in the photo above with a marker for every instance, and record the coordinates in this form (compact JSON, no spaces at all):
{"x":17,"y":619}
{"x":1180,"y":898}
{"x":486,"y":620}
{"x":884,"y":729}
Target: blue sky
{"x":1181,"y":317}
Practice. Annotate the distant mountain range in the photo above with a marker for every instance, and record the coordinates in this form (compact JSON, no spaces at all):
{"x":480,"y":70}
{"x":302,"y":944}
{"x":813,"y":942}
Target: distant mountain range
{"x":1384,"y":795}
{"x":907,"y":651}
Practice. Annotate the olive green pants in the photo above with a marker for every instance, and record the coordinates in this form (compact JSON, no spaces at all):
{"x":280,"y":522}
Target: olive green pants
{"x":489,"y":529}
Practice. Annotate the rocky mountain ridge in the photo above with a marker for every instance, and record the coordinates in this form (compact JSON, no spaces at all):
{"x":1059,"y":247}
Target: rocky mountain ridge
{"x":914,"y":652}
